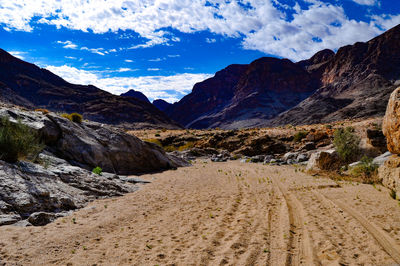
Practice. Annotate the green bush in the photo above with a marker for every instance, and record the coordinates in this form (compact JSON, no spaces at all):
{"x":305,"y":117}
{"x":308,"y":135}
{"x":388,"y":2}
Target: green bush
{"x":74,"y":117}
{"x":346,"y":143}
{"x":300,"y":135}
{"x":366,"y":168}
{"x":18,"y":141}
{"x":97,"y":170}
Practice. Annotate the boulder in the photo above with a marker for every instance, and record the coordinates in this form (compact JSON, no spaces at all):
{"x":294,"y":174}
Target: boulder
{"x":391,"y":122}
{"x":324,"y":160}
{"x":56,"y":186}
{"x":381,"y":159}
{"x":376,"y":139}
{"x":290,"y":156}
{"x":42,"y":218}
{"x":91,"y":144}
{"x":389,"y":173}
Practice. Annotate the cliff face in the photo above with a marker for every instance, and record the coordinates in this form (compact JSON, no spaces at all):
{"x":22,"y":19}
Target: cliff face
{"x":25,"y":84}
{"x":356,"y":83}
{"x":353,"y":83}
{"x":245,"y":95}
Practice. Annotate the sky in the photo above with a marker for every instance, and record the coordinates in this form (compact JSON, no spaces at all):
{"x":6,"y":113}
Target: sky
{"x":163,"y":47}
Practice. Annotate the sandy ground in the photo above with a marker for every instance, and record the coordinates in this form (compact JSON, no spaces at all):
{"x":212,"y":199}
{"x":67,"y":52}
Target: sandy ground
{"x":221,"y":214}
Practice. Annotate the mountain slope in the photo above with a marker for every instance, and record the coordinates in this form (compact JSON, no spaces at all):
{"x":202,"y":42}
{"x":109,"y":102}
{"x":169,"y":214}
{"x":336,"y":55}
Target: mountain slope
{"x":353,"y":83}
{"x":25,"y":84}
{"x":136,"y":94}
{"x":356,"y":83}
{"x":161,"y":104}
{"x":244,"y":95}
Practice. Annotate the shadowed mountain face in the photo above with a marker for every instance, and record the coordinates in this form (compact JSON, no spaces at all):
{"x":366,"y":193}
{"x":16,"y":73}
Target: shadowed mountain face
{"x":244,"y":95}
{"x":356,"y":83}
{"x":25,"y":84}
{"x":161,"y":104}
{"x":136,"y":94}
{"x":353,"y":83}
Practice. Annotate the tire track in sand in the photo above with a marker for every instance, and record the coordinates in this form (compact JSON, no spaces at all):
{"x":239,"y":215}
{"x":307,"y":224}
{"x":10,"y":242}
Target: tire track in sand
{"x":385,"y":241}
{"x":300,"y":249}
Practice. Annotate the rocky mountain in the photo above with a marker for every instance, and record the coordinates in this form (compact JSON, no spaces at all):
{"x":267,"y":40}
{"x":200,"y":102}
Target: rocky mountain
{"x":353,"y":83}
{"x":245,"y":95}
{"x":136,"y":94}
{"x":27,"y":85}
{"x":161,"y":104}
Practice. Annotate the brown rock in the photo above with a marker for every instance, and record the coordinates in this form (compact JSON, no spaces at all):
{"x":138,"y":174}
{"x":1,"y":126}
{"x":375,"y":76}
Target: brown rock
{"x":391,"y":122}
{"x":324,"y":160}
{"x":389,"y":173}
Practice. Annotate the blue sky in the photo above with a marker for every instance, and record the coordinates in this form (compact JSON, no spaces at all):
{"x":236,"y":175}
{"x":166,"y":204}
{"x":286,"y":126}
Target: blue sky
{"x":163,"y":47}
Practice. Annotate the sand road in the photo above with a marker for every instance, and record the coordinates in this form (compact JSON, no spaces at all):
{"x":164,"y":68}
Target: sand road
{"x":221,"y":214}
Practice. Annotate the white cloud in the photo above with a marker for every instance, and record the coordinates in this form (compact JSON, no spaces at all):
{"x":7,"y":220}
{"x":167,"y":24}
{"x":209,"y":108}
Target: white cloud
{"x":169,"y":88}
{"x":18,"y":54}
{"x":266,"y":26}
{"x":70,"y":57}
{"x":153,"y":69}
{"x":68,"y":45}
{"x":128,"y":60}
{"x":211,"y":40}
{"x":174,"y":55}
{"x":126,"y":69}
{"x":366,"y":2}
{"x":157,"y":59}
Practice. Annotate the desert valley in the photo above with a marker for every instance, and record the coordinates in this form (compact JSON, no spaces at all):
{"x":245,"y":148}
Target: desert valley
{"x":275,"y":162}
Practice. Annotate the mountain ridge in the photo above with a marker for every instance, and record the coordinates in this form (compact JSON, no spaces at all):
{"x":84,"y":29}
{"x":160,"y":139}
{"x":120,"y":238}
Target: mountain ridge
{"x":354,"y":82}
{"x":25,"y":84}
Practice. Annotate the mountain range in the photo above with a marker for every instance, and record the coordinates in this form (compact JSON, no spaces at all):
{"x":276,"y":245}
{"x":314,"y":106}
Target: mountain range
{"x":28,"y":85}
{"x":354,"y":82}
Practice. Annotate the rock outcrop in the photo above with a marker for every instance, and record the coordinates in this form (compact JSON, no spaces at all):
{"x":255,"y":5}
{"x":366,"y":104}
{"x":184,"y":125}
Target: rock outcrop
{"x":91,"y":144}
{"x":389,"y":172}
{"x":61,"y":180}
{"x":27,"y":189}
{"x":391,"y":123}
{"x":27,"y":85}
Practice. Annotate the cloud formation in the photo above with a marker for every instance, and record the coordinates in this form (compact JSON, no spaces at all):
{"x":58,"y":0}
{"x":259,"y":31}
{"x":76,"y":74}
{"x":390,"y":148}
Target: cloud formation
{"x":287,"y":30}
{"x":169,"y":88}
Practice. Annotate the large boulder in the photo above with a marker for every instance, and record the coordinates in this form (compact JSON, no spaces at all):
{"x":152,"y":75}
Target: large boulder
{"x":54,"y":187}
{"x":391,"y":122}
{"x":324,"y":160}
{"x":91,"y":144}
{"x":389,"y":173}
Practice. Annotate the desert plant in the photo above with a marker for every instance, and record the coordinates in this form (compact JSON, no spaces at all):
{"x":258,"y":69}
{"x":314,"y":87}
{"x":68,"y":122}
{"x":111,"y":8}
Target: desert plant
{"x":18,"y":141}
{"x":300,"y":135}
{"x":74,"y":117}
{"x":97,"y":170}
{"x":365,"y":169}
{"x":346,"y":143}
{"x":155,"y":141}
{"x":43,"y":111}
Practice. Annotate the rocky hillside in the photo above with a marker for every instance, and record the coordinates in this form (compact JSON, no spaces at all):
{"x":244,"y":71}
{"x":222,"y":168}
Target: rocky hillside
{"x":161,"y":104}
{"x":27,"y":85}
{"x":60,"y":179}
{"x":136,"y":94}
{"x":353,"y":83}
